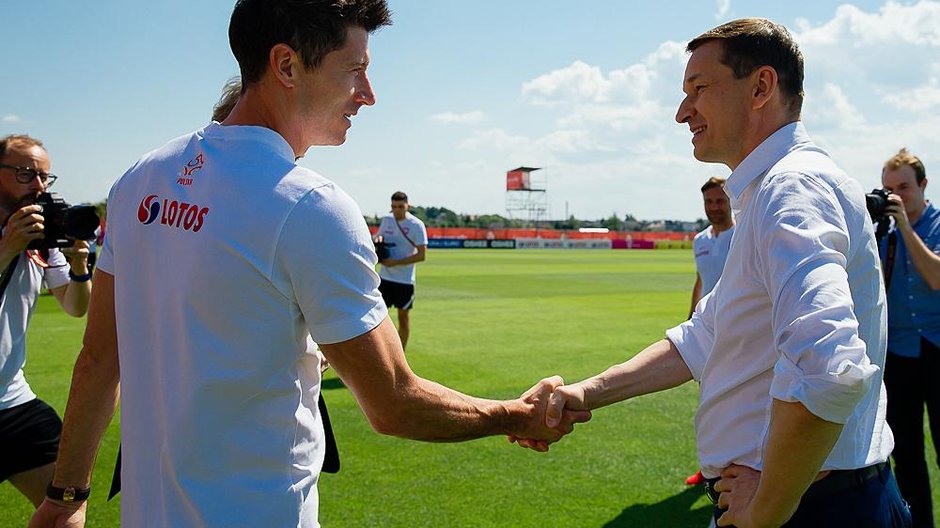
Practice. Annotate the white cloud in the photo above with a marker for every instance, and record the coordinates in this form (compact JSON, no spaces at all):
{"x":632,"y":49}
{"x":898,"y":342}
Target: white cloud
{"x":546,"y":148}
{"x":12,"y":118}
{"x":579,"y":81}
{"x":609,"y":140}
{"x":617,"y":117}
{"x":894,"y":23}
{"x":464,"y":118}
{"x":918,"y":99}
{"x":630,"y":98}
{"x":832,"y":108}
{"x":494,"y":138}
{"x":723,"y":7}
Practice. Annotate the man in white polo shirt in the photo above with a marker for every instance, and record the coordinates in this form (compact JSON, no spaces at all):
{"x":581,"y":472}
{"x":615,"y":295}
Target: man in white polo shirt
{"x":789,"y":347}
{"x":710,"y":246}
{"x":406,"y":239}
{"x":223,"y":258}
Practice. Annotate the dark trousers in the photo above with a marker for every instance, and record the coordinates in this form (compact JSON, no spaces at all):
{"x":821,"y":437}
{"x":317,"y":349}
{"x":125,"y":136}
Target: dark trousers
{"x":875,"y":503}
{"x":913,"y":383}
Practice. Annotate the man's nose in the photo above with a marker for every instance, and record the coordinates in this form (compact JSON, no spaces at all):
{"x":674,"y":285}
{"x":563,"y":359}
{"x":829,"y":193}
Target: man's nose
{"x":37,"y":183}
{"x":684,"y":112}
{"x":365,"y":94}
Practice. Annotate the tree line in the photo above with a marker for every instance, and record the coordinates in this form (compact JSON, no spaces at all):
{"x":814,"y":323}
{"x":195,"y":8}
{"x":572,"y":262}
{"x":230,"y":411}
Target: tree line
{"x":444,"y":217}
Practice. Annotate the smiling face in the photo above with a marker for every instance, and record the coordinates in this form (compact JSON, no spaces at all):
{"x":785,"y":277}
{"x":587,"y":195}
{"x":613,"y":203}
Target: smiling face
{"x":902,"y":181}
{"x":717,"y":207}
{"x":330,"y":94}
{"x":716,"y":107}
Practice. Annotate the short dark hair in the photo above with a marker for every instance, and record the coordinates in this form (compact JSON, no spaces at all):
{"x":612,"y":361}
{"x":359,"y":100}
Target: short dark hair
{"x":750,"y":43}
{"x":399,"y":196}
{"x":313,"y":28}
{"x":713,"y":182}
{"x":18,"y":139}
{"x":904,"y":157}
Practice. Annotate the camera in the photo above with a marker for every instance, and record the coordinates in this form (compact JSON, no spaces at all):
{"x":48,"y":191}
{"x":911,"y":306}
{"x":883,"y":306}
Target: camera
{"x":64,"y":223}
{"x":877,"y":203}
{"x":381,"y":248}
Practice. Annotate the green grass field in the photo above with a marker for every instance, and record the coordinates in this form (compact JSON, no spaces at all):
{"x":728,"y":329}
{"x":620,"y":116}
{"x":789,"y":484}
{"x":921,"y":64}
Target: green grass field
{"x":490,"y":323}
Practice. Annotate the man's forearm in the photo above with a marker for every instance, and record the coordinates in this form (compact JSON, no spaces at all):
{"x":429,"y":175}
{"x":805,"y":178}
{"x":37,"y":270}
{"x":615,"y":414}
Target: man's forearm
{"x":926,"y":262}
{"x":696,"y":294}
{"x":432,"y":412}
{"x":417,"y":257}
{"x":92,"y":400}
{"x":658,"y":367}
{"x":797,"y":446}
{"x":77,"y":294}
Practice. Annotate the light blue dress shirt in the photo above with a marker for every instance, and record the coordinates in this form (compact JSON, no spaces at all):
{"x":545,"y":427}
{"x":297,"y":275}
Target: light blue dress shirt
{"x":913,"y":307}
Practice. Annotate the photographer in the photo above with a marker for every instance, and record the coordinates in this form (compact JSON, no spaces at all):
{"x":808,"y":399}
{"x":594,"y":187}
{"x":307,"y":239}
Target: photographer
{"x":29,"y":428}
{"x":911,"y":261}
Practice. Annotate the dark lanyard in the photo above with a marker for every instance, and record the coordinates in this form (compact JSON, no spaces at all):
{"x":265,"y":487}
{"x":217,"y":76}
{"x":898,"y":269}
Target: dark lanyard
{"x":889,"y":258}
{"x":8,"y":274}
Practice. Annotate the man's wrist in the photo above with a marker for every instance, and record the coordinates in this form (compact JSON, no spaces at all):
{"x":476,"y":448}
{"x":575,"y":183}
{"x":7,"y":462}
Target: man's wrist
{"x":80,"y":277}
{"x":771,"y":509}
{"x":68,"y":494}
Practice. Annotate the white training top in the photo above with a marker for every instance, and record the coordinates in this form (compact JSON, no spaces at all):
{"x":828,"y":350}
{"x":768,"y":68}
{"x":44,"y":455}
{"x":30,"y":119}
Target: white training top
{"x":19,"y":301}
{"x":400,"y":247}
{"x":710,"y":252}
{"x":226,"y":257}
{"x":799,"y":314}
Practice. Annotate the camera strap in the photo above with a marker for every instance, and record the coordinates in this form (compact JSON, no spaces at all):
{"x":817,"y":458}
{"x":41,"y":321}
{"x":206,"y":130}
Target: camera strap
{"x":889,"y":258}
{"x":403,"y":233}
{"x":7,"y":275}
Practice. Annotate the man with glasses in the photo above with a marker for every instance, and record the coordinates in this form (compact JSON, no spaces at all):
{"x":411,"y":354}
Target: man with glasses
{"x":29,"y":428}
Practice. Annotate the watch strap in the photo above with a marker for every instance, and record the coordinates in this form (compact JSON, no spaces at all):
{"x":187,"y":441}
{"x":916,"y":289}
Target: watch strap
{"x":79,"y":278}
{"x":68,"y":494}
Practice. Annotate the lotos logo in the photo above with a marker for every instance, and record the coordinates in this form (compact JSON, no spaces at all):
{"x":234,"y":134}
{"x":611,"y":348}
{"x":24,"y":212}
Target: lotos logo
{"x":176,"y":214}
{"x":148,"y":210}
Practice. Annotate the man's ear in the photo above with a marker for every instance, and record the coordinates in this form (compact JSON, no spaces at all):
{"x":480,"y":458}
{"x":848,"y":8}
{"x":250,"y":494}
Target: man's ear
{"x":764,"y":86}
{"x":284,"y":62}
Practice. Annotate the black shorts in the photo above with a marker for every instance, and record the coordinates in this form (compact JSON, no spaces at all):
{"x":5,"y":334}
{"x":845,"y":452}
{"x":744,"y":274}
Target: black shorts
{"x":29,"y":434}
{"x":397,"y":294}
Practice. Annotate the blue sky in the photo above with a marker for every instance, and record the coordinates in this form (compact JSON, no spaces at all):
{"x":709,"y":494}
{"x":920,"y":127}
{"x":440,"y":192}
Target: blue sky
{"x":469,"y":90}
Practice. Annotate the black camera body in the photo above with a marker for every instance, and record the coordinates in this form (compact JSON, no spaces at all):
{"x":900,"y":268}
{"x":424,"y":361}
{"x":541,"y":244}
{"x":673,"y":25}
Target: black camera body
{"x":64,"y":223}
{"x":877,"y":203}
{"x":382,"y":248}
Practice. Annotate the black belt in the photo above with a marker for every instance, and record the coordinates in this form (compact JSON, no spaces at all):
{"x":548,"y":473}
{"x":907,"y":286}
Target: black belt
{"x":836,"y":481}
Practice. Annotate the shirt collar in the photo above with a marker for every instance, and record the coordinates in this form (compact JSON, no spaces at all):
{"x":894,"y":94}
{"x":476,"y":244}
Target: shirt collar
{"x":769,"y":152}
{"x":250,"y":133}
{"x":929,"y":212}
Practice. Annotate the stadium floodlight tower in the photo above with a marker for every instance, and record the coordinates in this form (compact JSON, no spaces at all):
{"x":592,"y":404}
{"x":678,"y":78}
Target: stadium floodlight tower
{"x":526,"y":195}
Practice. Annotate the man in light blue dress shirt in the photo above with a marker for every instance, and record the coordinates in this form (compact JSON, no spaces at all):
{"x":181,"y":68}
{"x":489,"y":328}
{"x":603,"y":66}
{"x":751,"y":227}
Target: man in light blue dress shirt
{"x":789,"y":347}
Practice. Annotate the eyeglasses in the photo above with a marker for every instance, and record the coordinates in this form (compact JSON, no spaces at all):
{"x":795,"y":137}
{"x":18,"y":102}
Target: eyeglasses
{"x":26,"y":174}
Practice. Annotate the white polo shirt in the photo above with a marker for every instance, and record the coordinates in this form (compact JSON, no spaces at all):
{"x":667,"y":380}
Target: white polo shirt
{"x":710,"y":252}
{"x":18,"y":303}
{"x":227,"y":257}
{"x":799,"y":314}
{"x":412,"y":228}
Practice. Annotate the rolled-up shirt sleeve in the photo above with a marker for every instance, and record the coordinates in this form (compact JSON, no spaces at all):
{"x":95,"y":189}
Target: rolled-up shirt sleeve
{"x":695,"y":338}
{"x":822,"y":363}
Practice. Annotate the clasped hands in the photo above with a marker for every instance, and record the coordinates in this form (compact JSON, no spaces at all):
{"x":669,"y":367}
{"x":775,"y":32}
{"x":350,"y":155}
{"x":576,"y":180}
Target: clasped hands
{"x":554,"y":409}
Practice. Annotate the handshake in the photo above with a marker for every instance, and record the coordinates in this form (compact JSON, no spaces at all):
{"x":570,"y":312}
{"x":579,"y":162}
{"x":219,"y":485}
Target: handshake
{"x":554,"y":408}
